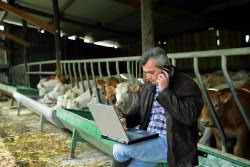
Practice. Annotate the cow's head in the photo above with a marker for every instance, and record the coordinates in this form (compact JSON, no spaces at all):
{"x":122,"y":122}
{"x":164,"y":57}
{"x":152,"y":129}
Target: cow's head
{"x":219,"y":99}
{"x":123,"y":92}
{"x":110,"y":86}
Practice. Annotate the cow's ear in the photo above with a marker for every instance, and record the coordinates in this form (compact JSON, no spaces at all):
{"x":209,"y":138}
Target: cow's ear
{"x":100,"y":83}
{"x":134,"y":88}
{"x":225,"y":97}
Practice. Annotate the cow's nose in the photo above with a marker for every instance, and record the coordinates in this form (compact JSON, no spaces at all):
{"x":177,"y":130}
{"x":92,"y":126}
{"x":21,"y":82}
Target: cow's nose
{"x":119,"y":103}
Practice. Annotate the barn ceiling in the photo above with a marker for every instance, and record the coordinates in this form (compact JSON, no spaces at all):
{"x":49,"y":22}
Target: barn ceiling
{"x":120,"y":19}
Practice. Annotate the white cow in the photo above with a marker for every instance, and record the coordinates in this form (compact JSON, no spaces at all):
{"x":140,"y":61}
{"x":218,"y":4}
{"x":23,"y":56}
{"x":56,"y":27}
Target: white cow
{"x":126,"y":95}
{"x":80,"y":102}
{"x":47,"y":86}
{"x":59,"y":90}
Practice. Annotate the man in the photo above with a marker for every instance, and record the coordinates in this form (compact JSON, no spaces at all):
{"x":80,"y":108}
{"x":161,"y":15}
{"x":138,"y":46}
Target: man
{"x":169,"y":104}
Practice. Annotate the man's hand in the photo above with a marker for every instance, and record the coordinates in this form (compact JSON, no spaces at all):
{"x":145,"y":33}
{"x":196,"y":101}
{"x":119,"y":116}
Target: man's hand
{"x":124,"y":123}
{"x":163,"y":80}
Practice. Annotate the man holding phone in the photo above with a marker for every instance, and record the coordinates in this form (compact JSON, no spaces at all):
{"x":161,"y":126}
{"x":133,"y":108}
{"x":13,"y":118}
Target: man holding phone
{"x":169,"y":104}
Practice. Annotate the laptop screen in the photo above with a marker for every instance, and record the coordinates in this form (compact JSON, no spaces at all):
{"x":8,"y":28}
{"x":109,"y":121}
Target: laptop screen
{"x":107,"y":120}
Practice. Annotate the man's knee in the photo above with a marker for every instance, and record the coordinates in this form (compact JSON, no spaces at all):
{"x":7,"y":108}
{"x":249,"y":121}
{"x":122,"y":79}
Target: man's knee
{"x":119,"y":153}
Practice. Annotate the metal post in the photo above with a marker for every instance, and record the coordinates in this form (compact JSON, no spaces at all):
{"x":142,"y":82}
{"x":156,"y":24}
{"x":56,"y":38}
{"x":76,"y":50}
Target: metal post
{"x":147,"y":28}
{"x":56,"y":19}
{"x":25,"y":52}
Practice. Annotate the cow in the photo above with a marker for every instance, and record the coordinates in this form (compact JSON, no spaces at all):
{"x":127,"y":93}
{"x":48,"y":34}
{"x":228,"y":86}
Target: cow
{"x":107,"y":88}
{"x":47,"y":85}
{"x":229,"y":116}
{"x":59,"y":90}
{"x":126,"y":95}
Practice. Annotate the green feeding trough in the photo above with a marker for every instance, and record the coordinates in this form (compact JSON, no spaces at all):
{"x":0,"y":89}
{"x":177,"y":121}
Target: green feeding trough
{"x":82,"y":125}
{"x":27,"y":91}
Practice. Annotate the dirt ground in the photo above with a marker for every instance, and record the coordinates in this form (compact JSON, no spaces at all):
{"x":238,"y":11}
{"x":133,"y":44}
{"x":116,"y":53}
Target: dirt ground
{"x":22,"y":144}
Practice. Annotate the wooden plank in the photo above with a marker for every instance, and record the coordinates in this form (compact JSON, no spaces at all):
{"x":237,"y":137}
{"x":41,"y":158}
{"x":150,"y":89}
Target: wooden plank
{"x":15,"y":38}
{"x":6,"y":49}
{"x":26,"y":16}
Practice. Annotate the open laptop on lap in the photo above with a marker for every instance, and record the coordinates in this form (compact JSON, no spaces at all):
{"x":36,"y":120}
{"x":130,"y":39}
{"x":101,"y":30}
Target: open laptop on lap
{"x":111,"y":128}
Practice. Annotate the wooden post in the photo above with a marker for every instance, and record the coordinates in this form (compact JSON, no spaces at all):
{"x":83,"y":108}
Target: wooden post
{"x":147,"y":27}
{"x":25,"y":51}
{"x":57,"y":37}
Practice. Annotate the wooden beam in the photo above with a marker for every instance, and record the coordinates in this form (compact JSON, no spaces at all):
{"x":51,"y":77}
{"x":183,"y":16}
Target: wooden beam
{"x":65,"y":6}
{"x":26,"y":16}
{"x":3,"y":16}
{"x":15,"y":38}
{"x":6,"y":49}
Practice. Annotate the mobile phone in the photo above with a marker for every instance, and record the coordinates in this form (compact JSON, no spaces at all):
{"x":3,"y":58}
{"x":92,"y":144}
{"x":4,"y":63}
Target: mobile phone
{"x":169,"y":70}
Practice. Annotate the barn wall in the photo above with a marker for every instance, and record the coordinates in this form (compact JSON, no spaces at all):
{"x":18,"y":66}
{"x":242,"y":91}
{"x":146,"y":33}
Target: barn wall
{"x":42,"y":48}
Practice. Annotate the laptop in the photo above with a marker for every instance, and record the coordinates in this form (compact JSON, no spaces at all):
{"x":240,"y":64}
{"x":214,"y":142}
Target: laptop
{"x":111,"y":128}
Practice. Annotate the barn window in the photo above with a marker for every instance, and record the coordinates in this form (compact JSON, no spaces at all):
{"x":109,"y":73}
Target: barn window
{"x":217,"y":33}
{"x":73,"y":37}
{"x":218,"y":42}
{"x":247,"y":38}
{"x":1,"y":27}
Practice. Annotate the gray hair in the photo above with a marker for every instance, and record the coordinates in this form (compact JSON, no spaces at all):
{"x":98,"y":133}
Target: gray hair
{"x":157,"y":53}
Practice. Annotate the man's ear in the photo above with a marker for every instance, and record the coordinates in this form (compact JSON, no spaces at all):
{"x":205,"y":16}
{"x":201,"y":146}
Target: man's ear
{"x":134,"y":88}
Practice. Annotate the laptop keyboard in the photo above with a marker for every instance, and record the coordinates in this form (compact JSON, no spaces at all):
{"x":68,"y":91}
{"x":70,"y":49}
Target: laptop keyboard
{"x":135,"y":134}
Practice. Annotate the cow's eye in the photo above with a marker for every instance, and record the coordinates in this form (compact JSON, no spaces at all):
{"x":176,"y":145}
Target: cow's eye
{"x":216,"y":106}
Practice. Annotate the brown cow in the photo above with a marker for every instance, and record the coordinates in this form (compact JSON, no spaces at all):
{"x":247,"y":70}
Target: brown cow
{"x":230,"y":117}
{"x":108,"y":87}
{"x":246,"y":87}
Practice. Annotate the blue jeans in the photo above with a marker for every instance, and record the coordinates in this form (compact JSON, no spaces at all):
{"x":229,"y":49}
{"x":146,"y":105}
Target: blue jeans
{"x":144,"y":154}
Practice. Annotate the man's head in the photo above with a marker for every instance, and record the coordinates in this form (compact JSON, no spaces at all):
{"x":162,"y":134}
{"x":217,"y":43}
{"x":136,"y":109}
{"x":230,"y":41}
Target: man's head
{"x":152,"y":63}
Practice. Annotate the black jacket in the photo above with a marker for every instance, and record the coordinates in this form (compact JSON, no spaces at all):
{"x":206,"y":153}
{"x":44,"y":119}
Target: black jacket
{"x":183,"y":103}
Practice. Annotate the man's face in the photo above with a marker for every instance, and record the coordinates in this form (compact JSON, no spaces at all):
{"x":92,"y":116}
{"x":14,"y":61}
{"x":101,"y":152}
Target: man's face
{"x":151,"y":71}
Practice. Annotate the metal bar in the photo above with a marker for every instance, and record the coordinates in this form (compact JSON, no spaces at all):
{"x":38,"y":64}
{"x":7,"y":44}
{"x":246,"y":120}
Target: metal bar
{"x":129,"y":73}
{"x":99,"y":69}
{"x":173,"y":62}
{"x":132,"y":73}
{"x":117,"y":69}
{"x":62,"y":70}
{"x":41,"y":73}
{"x":40,"y":70}
{"x":70,"y":74}
{"x":65,"y":70}
{"x":210,"y":106}
{"x":41,"y":62}
{"x":93,"y":76}
{"x":87,"y":77}
{"x":80,"y":74}
{"x":210,"y":53}
{"x":136,"y":70}
{"x":107,"y":68}
{"x":140,"y":70}
{"x":76,"y":79}
{"x":231,"y":86}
